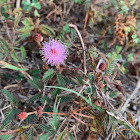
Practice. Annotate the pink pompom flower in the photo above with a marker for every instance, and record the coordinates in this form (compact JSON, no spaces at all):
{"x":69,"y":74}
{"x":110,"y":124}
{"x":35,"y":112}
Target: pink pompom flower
{"x":23,"y":115}
{"x":54,"y":52}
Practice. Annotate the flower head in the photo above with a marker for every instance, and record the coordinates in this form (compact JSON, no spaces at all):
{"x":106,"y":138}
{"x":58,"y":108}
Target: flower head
{"x":54,"y":52}
{"x":23,"y":115}
{"x":102,"y":66}
{"x":38,"y":37}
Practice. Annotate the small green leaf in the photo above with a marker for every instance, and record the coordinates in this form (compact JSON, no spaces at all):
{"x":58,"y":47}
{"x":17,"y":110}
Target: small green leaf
{"x":123,"y":68}
{"x":35,"y":72}
{"x":25,"y":2}
{"x":61,"y":135}
{"x":118,"y":49}
{"x":49,"y":74}
{"x":4,"y":13}
{"x":17,"y":19}
{"x":113,"y":94}
{"x":10,"y":97}
{"x":6,"y":46}
{"x":37,"y":5}
{"x":119,"y":56}
{"x":109,"y":55}
{"x":26,"y":29}
{"x":35,"y":97}
{"x":34,"y":1}
{"x":46,"y":32}
{"x":65,"y":98}
{"x":9,"y":66}
{"x":67,"y":43}
{"x":134,"y":36}
{"x":30,"y":119}
{"x":78,"y":1}
{"x":55,"y":92}
{"x":23,"y":36}
{"x":61,"y":36}
{"x":91,"y":78}
{"x":35,"y":83}
{"x":14,"y":56}
{"x":36,"y":13}
{"x":46,"y":128}
{"x":27,"y":22}
{"x":93,"y":52}
{"x":111,"y":64}
{"x":80,"y":79}
{"x":66,"y":28}
{"x":48,"y":28}
{"x":45,"y":98}
{"x":136,"y":40}
{"x":128,"y":29}
{"x":27,"y":6}
{"x":73,"y":34}
{"x":23,"y":53}
{"x":130,"y":57}
{"x":45,"y":136}
{"x":61,"y":81}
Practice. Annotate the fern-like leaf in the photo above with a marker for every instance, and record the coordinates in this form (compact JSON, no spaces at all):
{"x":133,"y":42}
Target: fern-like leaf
{"x":111,"y":64}
{"x":6,"y":137}
{"x":4,"y":124}
{"x":48,"y":75}
{"x":55,"y":92}
{"x":44,"y":137}
{"x":80,"y":80}
{"x":30,"y":134}
{"x":36,"y":83}
{"x":61,"y":80}
{"x":10,"y":115}
{"x":11,"y":97}
{"x":34,"y":97}
{"x":46,"y":128}
{"x":73,"y":35}
{"x":5,"y":46}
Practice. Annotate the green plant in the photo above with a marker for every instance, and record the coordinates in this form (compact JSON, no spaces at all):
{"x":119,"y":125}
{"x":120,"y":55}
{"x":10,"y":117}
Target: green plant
{"x":28,"y":5}
{"x":83,"y":94}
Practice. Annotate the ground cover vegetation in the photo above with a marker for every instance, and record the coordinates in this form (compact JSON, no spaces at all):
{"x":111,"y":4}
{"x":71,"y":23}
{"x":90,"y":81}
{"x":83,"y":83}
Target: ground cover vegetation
{"x":69,"y":69}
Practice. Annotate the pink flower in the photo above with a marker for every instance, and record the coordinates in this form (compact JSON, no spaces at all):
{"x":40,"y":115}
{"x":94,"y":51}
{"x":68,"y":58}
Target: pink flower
{"x":23,"y":115}
{"x":54,"y":52}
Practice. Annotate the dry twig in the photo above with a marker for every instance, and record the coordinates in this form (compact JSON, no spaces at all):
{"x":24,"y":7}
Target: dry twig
{"x":83,"y":46}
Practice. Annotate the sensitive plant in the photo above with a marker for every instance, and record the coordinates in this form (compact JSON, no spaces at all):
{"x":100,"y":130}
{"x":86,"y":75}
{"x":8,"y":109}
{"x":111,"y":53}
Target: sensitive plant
{"x":63,"y":90}
{"x":53,"y":52}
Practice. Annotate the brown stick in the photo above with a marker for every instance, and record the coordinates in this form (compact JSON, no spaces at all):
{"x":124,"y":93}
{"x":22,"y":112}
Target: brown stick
{"x":83,"y":46}
{"x":83,"y":115}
